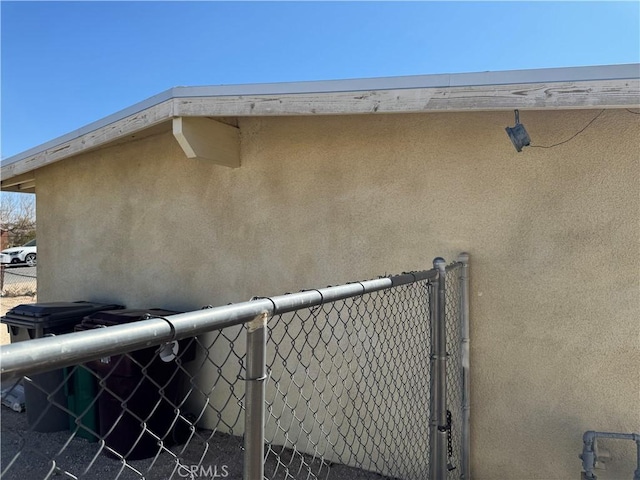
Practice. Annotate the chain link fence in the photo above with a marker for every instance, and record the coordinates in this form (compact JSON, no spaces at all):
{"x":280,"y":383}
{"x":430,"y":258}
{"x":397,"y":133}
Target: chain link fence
{"x":336,"y":383}
{"x":18,"y":281}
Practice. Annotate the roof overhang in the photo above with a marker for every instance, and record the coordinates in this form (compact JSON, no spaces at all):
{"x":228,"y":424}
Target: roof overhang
{"x":611,"y":86}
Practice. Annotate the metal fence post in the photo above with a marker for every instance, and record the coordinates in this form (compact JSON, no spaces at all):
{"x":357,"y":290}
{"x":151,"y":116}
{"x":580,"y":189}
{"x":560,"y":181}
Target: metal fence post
{"x":438,"y":463}
{"x":433,"y":386}
{"x":254,"y":413}
{"x":463,"y":258}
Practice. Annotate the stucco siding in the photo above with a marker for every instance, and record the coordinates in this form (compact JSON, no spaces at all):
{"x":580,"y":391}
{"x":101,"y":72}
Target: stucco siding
{"x":553,"y":237}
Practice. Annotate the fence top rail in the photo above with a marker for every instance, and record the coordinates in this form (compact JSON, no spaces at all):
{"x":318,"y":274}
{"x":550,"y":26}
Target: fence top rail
{"x":43,"y":354}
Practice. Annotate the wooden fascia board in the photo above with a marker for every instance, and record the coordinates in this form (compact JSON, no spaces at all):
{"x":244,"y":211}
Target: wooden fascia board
{"x":563,"y":95}
{"x":92,"y":140}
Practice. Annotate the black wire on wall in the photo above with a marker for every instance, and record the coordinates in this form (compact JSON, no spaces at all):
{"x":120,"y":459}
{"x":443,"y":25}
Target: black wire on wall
{"x":580,"y":131}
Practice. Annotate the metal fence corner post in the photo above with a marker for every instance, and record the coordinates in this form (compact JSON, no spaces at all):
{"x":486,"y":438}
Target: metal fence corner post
{"x":438,"y":463}
{"x":463,"y":259}
{"x":254,"y":414}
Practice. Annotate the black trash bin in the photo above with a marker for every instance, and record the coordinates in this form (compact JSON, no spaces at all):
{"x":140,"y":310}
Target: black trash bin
{"x":143,"y":388}
{"x":36,"y":320}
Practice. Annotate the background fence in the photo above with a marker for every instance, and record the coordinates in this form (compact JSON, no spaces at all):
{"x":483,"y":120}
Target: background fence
{"x":365,"y":380}
{"x":18,"y":281}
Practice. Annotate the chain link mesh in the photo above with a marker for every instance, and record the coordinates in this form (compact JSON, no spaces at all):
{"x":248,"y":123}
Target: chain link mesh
{"x":349,"y":384}
{"x":141,"y":417}
{"x":347,"y":397}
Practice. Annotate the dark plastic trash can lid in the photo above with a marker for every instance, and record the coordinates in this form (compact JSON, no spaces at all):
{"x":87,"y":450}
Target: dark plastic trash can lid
{"x":53,"y":314}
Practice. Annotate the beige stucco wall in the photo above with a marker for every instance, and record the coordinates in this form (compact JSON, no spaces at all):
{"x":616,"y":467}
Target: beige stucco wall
{"x":553,"y":236}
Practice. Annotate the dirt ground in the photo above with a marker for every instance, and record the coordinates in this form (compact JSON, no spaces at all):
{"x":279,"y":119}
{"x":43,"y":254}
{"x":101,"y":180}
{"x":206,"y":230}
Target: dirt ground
{"x":6,"y":304}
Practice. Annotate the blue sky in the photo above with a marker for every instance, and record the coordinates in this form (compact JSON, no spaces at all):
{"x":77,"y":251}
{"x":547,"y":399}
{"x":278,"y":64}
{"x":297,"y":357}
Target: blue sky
{"x":66,"y":64}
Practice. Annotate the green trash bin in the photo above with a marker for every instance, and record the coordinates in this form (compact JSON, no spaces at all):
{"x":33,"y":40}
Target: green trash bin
{"x":81,"y":388}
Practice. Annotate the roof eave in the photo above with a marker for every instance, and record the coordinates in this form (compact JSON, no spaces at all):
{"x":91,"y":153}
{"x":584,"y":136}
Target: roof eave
{"x":612,"y":86}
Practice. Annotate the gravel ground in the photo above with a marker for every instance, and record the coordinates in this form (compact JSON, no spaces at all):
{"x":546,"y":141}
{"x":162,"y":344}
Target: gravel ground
{"x":221,"y":452}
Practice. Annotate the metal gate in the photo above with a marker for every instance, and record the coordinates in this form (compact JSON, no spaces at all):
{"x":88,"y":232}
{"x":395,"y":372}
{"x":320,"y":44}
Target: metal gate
{"x":368,"y":377}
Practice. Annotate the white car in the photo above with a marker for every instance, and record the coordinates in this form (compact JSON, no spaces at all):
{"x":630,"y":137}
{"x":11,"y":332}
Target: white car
{"x":24,"y":254}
